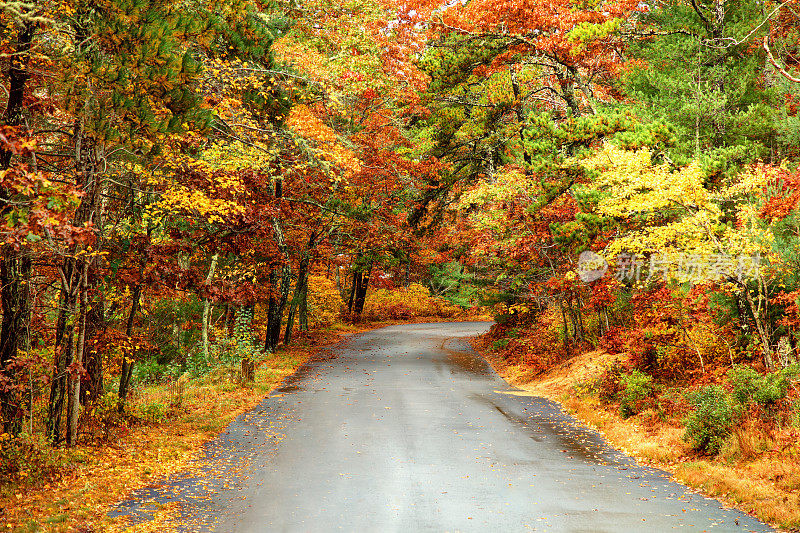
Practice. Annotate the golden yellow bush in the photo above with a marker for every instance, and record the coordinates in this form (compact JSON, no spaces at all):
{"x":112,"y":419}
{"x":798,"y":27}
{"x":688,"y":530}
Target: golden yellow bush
{"x":324,"y":301}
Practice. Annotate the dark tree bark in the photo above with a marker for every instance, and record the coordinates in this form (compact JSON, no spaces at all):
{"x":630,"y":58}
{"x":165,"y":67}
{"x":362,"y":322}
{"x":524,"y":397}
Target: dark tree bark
{"x":71,"y":270}
{"x":127,"y":362}
{"x":95,"y":326}
{"x":63,"y":354}
{"x":15,"y":271}
{"x":360,"y":285}
{"x":304,"y":307}
{"x":280,"y":280}
{"x":300,"y":290}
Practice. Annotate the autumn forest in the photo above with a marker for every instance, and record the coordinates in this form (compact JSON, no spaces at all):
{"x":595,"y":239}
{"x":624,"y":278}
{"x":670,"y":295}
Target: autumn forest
{"x":190,"y":190}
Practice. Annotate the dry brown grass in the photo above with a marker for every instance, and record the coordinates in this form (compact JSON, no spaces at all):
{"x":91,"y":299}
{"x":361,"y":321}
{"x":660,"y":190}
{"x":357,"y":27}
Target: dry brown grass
{"x":757,"y":471}
{"x":99,"y":475}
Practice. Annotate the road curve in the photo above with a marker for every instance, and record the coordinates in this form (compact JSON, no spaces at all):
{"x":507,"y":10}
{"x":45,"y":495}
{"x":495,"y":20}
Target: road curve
{"x":407,"y":429}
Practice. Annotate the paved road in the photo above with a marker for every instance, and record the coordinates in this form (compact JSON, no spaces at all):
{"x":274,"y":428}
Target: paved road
{"x":407,"y":429}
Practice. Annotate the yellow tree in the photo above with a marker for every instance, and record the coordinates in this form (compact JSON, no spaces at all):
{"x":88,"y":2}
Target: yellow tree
{"x":683,"y":229}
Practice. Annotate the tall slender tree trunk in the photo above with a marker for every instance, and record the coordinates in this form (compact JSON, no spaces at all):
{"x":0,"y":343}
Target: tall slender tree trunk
{"x":564,"y":321}
{"x":15,"y":275}
{"x":300,"y":289}
{"x":304,"y":307}
{"x":65,"y":332}
{"x":93,"y":360}
{"x":353,"y":286}
{"x":128,"y":360}
{"x":207,"y":305}
{"x":518,"y":108}
{"x":77,"y":363}
{"x":15,"y":270}
{"x":73,"y":284}
{"x":280,"y":282}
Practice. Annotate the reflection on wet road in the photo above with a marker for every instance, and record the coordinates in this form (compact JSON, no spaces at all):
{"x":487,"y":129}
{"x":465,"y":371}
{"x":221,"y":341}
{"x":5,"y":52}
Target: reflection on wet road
{"x":407,"y":429}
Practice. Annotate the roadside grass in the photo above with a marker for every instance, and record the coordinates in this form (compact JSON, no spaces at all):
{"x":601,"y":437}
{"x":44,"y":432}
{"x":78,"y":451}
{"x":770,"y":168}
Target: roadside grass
{"x":164,"y":440}
{"x":757,"y":469}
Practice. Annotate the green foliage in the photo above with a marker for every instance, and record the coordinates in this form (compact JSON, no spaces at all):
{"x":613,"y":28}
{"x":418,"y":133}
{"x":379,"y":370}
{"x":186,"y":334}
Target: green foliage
{"x":656,"y":135}
{"x":794,"y":414}
{"x":709,"y":423}
{"x":152,"y":412}
{"x":167,"y":332}
{"x":750,"y":386}
{"x":229,"y":351}
{"x":455,"y":284}
{"x":711,"y":93}
{"x":499,"y":344}
{"x":635,"y":387}
{"x":150,"y":371}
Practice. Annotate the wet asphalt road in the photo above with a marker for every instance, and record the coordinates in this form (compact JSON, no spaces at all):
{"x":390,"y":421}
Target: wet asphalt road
{"x":406,"y":429}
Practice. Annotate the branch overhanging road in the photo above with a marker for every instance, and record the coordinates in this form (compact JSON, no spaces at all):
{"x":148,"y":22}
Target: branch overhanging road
{"x":407,"y":429}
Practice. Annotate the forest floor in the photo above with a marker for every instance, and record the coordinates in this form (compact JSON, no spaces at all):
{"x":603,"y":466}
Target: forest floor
{"x":758,"y":471}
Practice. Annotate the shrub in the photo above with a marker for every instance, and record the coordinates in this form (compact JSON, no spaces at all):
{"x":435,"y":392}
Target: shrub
{"x":608,"y":385}
{"x":765,"y":390}
{"x":103,"y":416}
{"x":150,"y":372}
{"x":709,"y":423}
{"x":324,"y":301}
{"x":613,"y":341}
{"x":500,"y":344}
{"x":28,"y":458}
{"x":634,"y":389}
{"x":414,"y":300}
{"x":794,"y":414}
{"x":152,"y":412}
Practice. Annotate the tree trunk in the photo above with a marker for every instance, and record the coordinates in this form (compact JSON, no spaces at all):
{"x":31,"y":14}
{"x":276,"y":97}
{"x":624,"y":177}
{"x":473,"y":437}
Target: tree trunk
{"x":76,"y":374}
{"x":763,"y":334}
{"x":361,"y":290}
{"x":351,"y":298}
{"x":15,"y":270}
{"x":755,"y":308}
{"x":63,"y":351}
{"x":520,"y":111}
{"x":566,"y":325}
{"x":15,"y":275}
{"x":72,"y":277}
{"x":304,"y":307}
{"x":279,"y":283}
{"x":272,"y":312}
{"x":286,"y":283}
{"x":127,"y":361}
{"x":230,"y":319}
{"x":18,"y":76}
{"x":93,"y":360}
{"x":207,"y":305}
{"x":300,"y":289}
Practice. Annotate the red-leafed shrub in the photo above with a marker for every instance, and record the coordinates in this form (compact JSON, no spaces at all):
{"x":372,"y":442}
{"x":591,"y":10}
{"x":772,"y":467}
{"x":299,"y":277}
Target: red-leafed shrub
{"x":615,"y":340}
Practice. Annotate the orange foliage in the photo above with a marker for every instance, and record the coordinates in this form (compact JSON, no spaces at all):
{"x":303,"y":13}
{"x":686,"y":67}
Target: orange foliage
{"x":407,"y":302}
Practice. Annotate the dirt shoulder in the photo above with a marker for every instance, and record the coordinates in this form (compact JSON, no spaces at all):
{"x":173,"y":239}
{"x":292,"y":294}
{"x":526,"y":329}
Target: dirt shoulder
{"x":758,"y":471}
